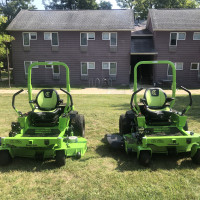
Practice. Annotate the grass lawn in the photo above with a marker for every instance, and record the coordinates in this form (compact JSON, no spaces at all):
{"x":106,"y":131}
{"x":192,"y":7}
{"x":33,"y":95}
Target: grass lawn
{"x":102,"y":173}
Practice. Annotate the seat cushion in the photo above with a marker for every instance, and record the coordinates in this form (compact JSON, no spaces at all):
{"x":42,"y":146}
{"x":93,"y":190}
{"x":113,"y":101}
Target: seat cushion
{"x":45,"y":118}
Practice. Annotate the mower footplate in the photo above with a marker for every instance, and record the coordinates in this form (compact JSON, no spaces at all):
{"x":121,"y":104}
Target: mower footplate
{"x":116,"y":141}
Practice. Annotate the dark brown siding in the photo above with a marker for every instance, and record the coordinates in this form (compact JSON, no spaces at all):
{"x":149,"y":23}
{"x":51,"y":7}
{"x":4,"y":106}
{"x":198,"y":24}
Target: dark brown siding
{"x":187,"y":51}
{"x":69,"y":53}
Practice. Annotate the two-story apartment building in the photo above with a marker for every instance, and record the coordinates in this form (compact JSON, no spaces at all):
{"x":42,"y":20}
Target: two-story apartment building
{"x":176,"y":37}
{"x":95,"y":44}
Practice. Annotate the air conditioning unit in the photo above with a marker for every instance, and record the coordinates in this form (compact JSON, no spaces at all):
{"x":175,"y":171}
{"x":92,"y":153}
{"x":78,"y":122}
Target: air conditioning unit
{"x":56,"y":76}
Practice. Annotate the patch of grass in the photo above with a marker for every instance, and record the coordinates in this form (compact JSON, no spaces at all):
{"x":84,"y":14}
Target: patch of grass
{"x":102,"y":173}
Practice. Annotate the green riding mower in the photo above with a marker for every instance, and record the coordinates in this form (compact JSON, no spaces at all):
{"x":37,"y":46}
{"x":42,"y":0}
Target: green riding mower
{"x":51,"y":130}
{"x":152,"y":126}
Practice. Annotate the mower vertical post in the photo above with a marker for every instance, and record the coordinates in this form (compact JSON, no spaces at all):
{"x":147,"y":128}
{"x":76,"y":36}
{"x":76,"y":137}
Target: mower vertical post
{"x":155,"y":62}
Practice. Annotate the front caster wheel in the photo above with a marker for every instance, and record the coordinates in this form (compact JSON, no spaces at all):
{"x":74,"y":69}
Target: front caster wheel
{"x":196,"y":157}
{"x":5,"y":157}
{"x":60,"y":158}
{"x":145,"y":158}
{"x":78,"y":155}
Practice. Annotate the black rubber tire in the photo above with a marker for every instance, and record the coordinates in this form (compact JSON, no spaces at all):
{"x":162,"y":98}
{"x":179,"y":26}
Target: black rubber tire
{"x":78,"y":155}
{"x":186,"y":127}
{"x":78,"y":123}
{"x":145,"y":158}
{"x":60,"y":158}
{"x":5,"y":157}
{"x":124,"y":125}
{"x":196,"y":157}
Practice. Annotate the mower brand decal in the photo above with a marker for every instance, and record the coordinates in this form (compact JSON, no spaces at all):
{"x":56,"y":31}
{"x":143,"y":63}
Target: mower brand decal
{"x":47,"y":94}
{"x":173,"y":144}
{"x":157,"y":141}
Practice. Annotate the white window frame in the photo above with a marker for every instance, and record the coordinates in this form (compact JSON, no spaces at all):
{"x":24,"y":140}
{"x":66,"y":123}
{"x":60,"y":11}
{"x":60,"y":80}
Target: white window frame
{"x":108,"y":36}
{"x":58,"y":68}
{"x":81,"y":69}
{"x":178,"y":36}
{"x":109,"y":68}
{"x":80,"y":40}
{"x":194,"y":69}
{"x":175,"y":67}
{"x":88,"y":36}
{"x":87,"y":68}
{"x":108,"y":65}
{"x":116,"y":40}
{"x":51,"y":37}
{"x":170,"y":39}
{"x":116,"y":69}
{"x":29,"y":37}
{"x":31,"y":62}
{"x":48,"y":33}
{"x":194,"y":34}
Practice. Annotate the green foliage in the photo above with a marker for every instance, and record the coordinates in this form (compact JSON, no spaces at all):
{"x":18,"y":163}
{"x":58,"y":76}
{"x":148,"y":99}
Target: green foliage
{"x":10,"y":8}
{"x":125,"y":3}
{"x":4,"y":38}
{"x":70,"y":4}
{"x":141,"y":6}
{"x":105,"y":5}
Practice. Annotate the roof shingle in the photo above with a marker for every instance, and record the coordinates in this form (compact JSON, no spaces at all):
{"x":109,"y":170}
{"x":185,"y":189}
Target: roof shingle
{"x":175,"y":19}
{"x":79,"y":20}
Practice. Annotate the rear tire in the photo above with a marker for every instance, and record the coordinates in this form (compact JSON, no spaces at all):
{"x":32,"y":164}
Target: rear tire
{"x":196,"y":157}
{"x":124,"y":125}
{"x":5,"y":157}
{"x":60,"y":158}
{"x":78,"y":123}
{"x":145,"y":158}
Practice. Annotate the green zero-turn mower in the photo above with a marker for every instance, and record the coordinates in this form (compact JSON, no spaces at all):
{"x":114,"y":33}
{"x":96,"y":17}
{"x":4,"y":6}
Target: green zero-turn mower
{"x":52,"y":129}
{"x":152,"y":126}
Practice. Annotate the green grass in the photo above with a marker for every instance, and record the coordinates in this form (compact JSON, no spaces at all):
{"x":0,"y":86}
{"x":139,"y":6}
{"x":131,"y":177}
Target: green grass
{"x":102,"y":173}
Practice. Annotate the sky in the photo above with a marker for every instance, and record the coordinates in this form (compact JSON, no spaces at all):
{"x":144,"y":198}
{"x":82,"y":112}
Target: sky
{"x":39,"y":5}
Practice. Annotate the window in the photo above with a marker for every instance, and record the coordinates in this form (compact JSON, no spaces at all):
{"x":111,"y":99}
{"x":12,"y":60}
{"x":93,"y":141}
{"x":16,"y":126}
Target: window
{"x":173,"y":39}
{"x":27,"y":37}
{"x":113,"y":39}
{"x":105,"y":36}
{"x":27,"y":64}
{"x":194,"y":66}
{"x":53,"y":36}
{"x":85,"y":66}
{"x":84,"y":69}
{"x":50,"y":66}
{"x":196,"y":36}
{"x":181,"y":36}
{"x":112,"y":66}
{"x":105,"y":65}
{"x":110,"y":36}
{"x":91,"y":36}
{"x":84,"y":39}
{"x":56,"y":69}
{"x":178,"y":66}
{"x":91,"y":65}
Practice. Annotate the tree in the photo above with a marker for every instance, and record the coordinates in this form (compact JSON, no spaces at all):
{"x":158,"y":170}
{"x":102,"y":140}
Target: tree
{"x":10,"y":8}
{"x":125,"y":3}
{"x":105,"y":5}
{"x":70,"y":4}
{"x":141,"y":6}
{"x":5,"y":41}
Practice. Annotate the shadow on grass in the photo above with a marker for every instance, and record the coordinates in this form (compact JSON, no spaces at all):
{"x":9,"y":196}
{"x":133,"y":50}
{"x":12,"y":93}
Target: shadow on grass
{"x":29,"y":165}
{"x":129,"y":162}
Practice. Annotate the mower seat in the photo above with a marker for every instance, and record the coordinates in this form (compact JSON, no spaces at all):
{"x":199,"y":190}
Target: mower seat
{"x":47,"y":111}
{"x":156,"y":108}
